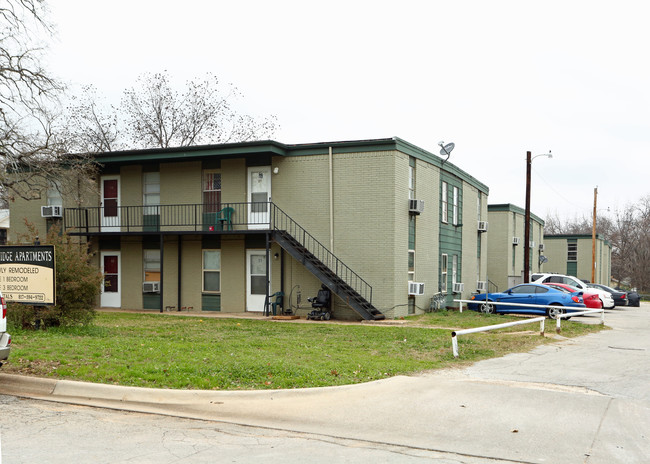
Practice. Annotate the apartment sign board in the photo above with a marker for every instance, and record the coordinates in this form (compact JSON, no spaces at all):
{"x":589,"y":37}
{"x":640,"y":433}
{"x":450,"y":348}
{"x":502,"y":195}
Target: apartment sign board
{"x":27,"y":274}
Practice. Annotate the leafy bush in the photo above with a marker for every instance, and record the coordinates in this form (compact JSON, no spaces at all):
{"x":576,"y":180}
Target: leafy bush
{"x":77,"y":285}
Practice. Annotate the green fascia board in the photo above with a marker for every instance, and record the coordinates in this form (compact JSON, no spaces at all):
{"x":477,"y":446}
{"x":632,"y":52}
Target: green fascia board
{"x":577,"y":237}
{"x":243,"y":149}
{"x":510,"y":208}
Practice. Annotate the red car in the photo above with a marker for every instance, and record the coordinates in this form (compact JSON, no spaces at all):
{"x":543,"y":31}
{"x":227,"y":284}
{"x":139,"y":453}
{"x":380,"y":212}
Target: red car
{"x":592,"y":300}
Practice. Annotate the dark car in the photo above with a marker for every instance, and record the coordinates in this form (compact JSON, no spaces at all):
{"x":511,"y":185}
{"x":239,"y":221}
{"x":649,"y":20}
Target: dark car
{"x":633,"y":298}
{"x":529,"y":294}
{"x":620,"y":298}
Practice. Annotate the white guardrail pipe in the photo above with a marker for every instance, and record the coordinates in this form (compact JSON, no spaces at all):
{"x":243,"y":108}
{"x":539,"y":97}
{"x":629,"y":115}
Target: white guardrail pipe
{"x":456,"y":333}
{"x":541,"y":319}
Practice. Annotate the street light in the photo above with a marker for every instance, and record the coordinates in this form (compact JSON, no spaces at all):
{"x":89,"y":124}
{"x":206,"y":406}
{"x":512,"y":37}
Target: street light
{"x":529,"y":162}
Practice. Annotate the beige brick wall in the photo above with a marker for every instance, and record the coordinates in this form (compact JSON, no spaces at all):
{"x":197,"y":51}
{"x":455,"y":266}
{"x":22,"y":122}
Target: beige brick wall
{"x":132,"y":272}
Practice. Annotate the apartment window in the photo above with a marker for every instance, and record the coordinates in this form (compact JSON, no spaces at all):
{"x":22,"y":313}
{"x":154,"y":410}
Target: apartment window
{"x":478,"y":206}
{"x":455,"y":206}
{"x":454,"y":269}
{"x":411,"y":178}
{"x":151,"y":265}
{"x":151,"y":192}
{"x":444,"y":202}
{"x":54,"y":195}
{"x":443,"y":273}
{"x":211,"y":271}
{"x":572,"y":251}
{"x":211,"y":191}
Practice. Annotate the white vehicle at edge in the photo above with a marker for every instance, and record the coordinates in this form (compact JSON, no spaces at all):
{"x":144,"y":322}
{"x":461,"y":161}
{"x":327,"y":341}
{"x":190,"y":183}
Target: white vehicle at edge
{"x":5,"y":338}
{"x":544,"y":278}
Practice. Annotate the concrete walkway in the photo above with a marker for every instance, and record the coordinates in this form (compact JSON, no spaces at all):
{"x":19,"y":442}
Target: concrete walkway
{"x":579,"y":400}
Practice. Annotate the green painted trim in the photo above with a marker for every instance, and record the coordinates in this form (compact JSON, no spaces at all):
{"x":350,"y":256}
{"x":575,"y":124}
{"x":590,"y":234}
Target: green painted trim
{"x":509,"y":207}
{"x":272,"y":148}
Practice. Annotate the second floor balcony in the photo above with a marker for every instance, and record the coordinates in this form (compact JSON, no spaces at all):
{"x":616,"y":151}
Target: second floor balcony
{"x":227,"y":217}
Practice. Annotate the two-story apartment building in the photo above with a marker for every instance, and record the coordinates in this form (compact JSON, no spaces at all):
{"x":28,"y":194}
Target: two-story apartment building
{"x":506,"y":245}
{"x":383,"y":224}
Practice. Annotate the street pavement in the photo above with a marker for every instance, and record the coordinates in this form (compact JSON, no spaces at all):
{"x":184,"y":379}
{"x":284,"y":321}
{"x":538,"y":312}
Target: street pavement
{"x":583,"y":400}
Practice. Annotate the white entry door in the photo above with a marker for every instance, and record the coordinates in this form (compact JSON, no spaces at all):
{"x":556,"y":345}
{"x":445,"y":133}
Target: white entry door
{"x":112,"y":286}
{"x":259,"y":196}
{"x":255,"y":280}
{"x":110,"y":206}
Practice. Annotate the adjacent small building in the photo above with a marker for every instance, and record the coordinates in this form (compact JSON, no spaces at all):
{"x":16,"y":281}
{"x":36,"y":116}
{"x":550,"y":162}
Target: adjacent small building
{"x":506,"y":245}
{"x":383,"y":224}
{"x":573,"y":254}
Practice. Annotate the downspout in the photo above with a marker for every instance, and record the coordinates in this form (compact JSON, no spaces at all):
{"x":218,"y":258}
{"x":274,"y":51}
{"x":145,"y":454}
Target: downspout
{"x":331,"y":181}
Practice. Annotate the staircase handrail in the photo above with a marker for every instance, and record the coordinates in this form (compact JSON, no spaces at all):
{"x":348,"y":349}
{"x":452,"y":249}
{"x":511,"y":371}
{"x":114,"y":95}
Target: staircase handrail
{"x":281,"y":221}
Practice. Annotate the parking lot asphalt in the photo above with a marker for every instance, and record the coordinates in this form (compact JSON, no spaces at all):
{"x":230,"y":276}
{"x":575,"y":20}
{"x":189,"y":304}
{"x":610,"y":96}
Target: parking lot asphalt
{"x":583,"y":400}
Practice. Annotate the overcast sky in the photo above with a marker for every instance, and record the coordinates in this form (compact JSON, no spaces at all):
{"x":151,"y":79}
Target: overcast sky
{"x":497,"y":78}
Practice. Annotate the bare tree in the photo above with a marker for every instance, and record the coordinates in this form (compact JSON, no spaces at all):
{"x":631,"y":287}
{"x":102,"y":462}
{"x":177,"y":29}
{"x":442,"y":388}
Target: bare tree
{"x":32,"y":153}
{"x":158,"y":116}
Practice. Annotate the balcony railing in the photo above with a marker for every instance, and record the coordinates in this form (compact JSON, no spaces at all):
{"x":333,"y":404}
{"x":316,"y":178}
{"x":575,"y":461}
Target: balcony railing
{"x":168,"y":218}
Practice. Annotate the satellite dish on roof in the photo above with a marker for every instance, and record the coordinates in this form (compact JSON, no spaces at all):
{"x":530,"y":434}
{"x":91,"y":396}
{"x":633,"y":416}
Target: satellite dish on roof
{"x":445,"y":150}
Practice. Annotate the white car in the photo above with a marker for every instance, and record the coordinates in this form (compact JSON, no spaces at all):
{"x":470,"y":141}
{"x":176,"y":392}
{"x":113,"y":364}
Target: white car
{"x":5,"y":338}
{"x":605,"y":297}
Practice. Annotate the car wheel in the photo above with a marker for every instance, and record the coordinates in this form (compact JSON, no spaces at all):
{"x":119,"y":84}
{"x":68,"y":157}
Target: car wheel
{"x":553,"y":313}
{"x":487,"y":308}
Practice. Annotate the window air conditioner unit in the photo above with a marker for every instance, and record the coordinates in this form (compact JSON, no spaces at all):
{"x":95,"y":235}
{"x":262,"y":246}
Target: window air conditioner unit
{"x":458,"y":287}
{"x":51,"y":211}
{"x":150,"y":287}
{"x":541,"y":247}
{"x":480,"y":286}
{"x":515,"y":240}
{"x":482,"y":226}
{"x":532,"y":244}
{"x":416,"y":288}
{"x":416,"y":206}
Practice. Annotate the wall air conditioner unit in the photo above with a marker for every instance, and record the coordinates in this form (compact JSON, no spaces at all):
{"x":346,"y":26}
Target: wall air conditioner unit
{"x":150,"y":287}
{"x":51,"y":211}
{"x":482,"y":226}
{"x":515,"y":240}
{"x":416,"y":206}
{"x":480,"y":286}
{"x":532,"y":244}
{"x":541,"y":247}
{"x":458,"y":287}
{"x":416,"y":288}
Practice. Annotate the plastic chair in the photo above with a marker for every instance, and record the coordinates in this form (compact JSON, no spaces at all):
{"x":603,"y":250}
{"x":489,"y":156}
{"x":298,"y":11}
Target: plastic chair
{"x":279,"y":298}
{"x":224,"y":218}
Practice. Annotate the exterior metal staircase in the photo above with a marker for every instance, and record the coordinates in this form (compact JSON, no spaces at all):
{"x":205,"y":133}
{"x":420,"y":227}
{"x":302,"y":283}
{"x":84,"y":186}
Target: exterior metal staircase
{"x":321,"y":262}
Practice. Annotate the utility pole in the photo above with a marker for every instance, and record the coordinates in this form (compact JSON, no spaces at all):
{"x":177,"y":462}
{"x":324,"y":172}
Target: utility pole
{"x":593,"y":241}
{"x":529,"y":162}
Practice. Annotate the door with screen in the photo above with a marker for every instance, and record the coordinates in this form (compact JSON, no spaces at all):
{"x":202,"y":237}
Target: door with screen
{"x":111,"y":288}
{"x":259,"y":196}
{"x":255,"y":280}
{"x":110,"y":206}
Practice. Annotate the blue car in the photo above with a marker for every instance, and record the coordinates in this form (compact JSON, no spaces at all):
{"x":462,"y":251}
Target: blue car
{"x":529,"y":294}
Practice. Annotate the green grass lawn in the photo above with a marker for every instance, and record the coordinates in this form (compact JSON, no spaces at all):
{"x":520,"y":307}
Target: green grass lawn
{"x":164,"y":351}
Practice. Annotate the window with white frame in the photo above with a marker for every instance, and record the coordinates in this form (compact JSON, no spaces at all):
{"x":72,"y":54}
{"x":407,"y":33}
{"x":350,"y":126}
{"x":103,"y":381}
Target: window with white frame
{"x":455,"y":206}
{"x":211,"y":271}
{"x":54,"y":197}
{"x":411,"y":250}
{"x":454,"y":269}
{"x":211,"y":191}
{"x":443,"y":273}
{"x":572,"y":251}
{"x":444,"y":202}
{"x":411,"y":179}
{"x":151,"y":265}
{"x":151,"y":192}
